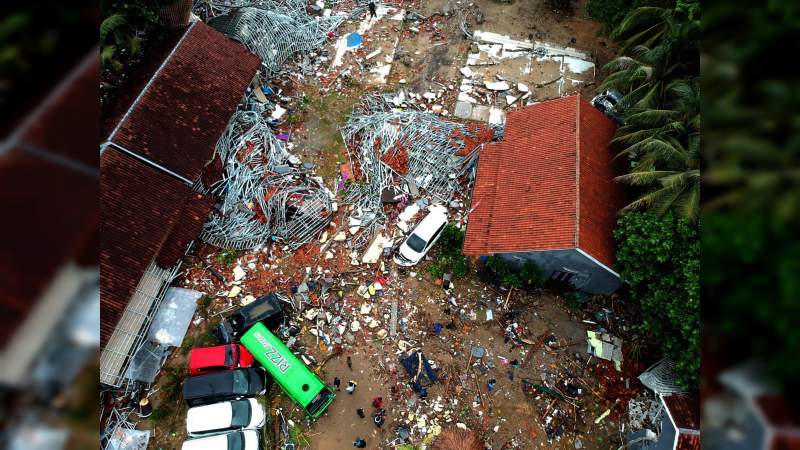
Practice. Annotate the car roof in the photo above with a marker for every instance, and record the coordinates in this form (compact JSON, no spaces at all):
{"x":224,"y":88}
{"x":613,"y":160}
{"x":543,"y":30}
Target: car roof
{"x":219,"y":441}
{"x":209,"y":384}
{"x":427,"y":226}
{"x":209,"y":417}
{"x":208,"y":356}
{"x":260,"y":306}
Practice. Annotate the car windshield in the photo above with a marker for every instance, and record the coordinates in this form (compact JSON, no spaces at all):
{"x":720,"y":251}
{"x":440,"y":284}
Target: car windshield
{"x":235,"y":441}
{"x":259,"y":311}
{"x":229,"y":355}
{"x":241,"y":413}
{"x":416,"y":243}
{"x":240,"y":382}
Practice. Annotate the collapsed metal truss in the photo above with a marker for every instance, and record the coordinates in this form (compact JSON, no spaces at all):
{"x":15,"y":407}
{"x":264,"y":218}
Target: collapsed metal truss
{"x":265,"y":193}
{"x":431,"y":145}
{"x":272,"y":30}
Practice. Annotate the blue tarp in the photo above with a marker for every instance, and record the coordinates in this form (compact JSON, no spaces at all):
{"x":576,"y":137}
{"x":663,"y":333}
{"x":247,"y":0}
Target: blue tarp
{"x":426,"y":376}
{"x":353,"y":40}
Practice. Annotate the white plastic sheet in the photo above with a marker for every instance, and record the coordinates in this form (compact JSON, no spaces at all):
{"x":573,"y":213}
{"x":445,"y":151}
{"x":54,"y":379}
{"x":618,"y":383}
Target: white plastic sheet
{"x":173,"y":317}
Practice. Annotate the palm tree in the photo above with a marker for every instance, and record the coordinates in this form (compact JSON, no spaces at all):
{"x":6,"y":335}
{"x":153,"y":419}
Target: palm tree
{"x":659,"y":45}
{"x":665,"y":147}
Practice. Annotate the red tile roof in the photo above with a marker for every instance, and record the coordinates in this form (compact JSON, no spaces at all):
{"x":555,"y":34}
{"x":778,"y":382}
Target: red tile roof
{"x":139,"y":208}
{"x":48,"y":193}
{"x":548,"y":184}
{"x":49,"y":214}
{"x":785,"y":441}
{"x":179,"y":117}
{"x":688,"y":442}
{"x":778,"y":412}
{"x":186,"y":229}
{"x":684,"y":410}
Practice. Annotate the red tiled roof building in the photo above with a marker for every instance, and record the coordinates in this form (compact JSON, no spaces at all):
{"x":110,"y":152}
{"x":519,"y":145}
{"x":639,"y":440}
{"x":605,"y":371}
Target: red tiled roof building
{"x":154,"y":158}
{"x":546,"y":194}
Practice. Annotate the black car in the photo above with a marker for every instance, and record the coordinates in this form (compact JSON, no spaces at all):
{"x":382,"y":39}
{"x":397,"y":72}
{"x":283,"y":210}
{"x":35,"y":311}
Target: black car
{"x":266,"y":309}
{"x":221,"y":386}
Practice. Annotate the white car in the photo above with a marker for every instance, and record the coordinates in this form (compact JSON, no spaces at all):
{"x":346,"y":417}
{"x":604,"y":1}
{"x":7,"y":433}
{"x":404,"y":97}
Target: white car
{"x":237,"y":440}
{"x":223,"y":417}
{"x":421,"y":239}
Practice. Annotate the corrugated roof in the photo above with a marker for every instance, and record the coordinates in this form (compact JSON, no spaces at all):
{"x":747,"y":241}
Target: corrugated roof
{"x":182,"y":112}
{"x":548,"y":184}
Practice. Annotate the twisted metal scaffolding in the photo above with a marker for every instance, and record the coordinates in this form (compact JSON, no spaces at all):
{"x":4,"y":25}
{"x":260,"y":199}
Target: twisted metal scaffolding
{"x":265,"y":193}
{"x":411,"y":149}
{"x":272,"y":30}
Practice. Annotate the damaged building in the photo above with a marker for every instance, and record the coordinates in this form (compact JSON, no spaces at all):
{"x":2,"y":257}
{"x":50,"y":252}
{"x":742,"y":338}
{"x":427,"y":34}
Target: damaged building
{"x":546,"y":194}
{"x":155,"y":172}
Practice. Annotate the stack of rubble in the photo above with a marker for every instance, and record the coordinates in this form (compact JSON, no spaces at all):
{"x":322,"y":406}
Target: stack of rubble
{"x":395,"y":151}
{"x":273,"y":30}
{"x":266,"y":192}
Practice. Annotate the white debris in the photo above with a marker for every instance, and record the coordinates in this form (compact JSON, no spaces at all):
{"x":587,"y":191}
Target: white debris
{"x":238,"y":273}
{"x":340,"y":236}
{"x":234,"y":291}
{"x":247,"y":300}
{"x":510,"y":99}
{"x":466,"y":71}
{"x":355,"y":326}
{"x":497,"y":85}
{"x":279,"y":112}
{"x":522,"y":87}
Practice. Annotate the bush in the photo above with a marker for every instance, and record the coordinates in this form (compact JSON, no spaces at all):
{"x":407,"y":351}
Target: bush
{"x":660,"y":258}
{"x":531,"y":276}
{"x":451,"y":259}
{"x":227,"y":257}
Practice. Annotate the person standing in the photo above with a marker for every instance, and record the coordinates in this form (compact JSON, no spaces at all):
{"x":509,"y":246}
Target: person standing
{"x":360,"y":412}
{"x":337,"y":383}
{"x":377,"y":402}
{"x":351,"y":387}
{"x":373,"y":13}
{"x":349,"y":363}
{"x":359,"y":443}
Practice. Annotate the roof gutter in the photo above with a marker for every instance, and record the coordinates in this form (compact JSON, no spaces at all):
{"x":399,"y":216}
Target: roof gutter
{"x":144,"y":160}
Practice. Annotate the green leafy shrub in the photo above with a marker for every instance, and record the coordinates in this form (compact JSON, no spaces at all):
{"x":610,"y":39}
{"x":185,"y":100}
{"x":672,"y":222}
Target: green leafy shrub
{"x":227,"y":256}
{"x":450,"y":258}
{"x":531,"y":276}
{"x":660,"y":258}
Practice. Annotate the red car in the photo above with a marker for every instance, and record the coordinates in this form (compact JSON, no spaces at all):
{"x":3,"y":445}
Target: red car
{"x":219,"y":358}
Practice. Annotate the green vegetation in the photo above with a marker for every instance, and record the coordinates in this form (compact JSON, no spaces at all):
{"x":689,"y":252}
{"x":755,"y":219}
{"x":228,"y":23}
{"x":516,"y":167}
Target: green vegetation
{"x":227,"y":257}
{"x":497,"y":271}
{"x":659,"y":256}
{"x":752,"y":155}
{"x":657,"y":74}
{"x":450,"y":259}
{"x":299,"y":436}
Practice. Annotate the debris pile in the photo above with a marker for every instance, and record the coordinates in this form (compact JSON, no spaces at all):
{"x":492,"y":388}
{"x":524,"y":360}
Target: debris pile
{"x":274,"y":30}
{"x":266,"y":192}
{"x":395,"y":152}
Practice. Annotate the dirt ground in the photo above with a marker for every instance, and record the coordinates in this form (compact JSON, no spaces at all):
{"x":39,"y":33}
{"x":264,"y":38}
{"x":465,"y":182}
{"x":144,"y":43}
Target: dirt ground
{"x":506,"y":417}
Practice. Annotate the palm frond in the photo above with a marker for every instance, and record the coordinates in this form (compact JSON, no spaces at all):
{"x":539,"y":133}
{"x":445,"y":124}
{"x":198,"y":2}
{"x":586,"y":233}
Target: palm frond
{"x":114,"y":27}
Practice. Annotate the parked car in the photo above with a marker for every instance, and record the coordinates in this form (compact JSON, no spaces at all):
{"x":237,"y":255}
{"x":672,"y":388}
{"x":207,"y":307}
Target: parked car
{"x":421,"y":239}
{"x":238,"y":440}
{"x":221,"y":357}
{"x":266,"y":309}
{"x":221,"y":386}
{"x":223,"y":417}
{"x":607,"y":101}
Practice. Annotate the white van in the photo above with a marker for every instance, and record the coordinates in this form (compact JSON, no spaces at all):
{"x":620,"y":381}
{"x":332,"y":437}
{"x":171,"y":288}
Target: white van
{"x":237,"y":440}
{"x":422,"y":238}
{"x":224,"y":417}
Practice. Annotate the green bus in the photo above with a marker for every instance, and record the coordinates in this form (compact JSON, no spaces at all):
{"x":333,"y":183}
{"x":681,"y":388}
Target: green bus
{"x":290,"y":373}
